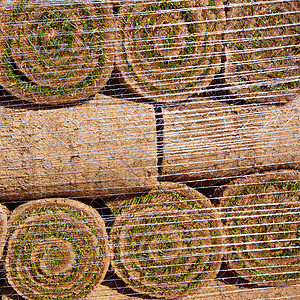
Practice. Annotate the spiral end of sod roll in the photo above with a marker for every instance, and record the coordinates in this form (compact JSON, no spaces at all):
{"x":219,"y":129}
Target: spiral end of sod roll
{"x":168,"y":50}
{"x":262,"y":220}
{"x":55,"y":52}
{"x":167,"y":243}
{"x":57,"y":249}
{"x":263,"y":50}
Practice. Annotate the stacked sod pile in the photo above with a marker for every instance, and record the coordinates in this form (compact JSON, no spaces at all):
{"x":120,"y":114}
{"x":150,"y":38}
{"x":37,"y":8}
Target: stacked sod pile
{"x":263,"y":50}
{"x":57,"y":249}
{"x":56,"y":52}
{"x":262,"y":220}
{"x":168,"y":242}
{"x":169,"y":49}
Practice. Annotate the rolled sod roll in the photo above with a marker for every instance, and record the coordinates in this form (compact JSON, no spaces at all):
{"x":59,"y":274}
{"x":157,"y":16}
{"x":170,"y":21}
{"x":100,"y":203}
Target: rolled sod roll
{"x":262,"y":223}
{"x":167,"y":50}
{"x":168,"y":242}
{"x":97,"y":149}
{"x":4,"y":212}
{"x":208,"y":142}
{"x":262,"y":41}
{"x":57,"y":249}
{"x":55,"y":52}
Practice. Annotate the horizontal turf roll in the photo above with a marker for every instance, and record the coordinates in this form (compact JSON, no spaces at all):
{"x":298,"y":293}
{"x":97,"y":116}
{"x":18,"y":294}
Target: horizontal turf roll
{"x":167,"y":243}
{"x":100,"y":148}
{"x":262,"y":46}
{"x":56,"y":52}
{"x":167,"y":50}
{"x":207,"y":142}
{"x":58,"y":249}
{"x":262,"y":227}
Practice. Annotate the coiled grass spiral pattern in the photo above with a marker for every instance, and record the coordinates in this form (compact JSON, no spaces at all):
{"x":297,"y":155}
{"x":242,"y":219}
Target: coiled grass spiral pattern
{"x":168,"y":50}
{"x":57,"y":249}
{"x":56,"y":52}
{"x":262,"y":42}
{"x":167,"y":243}
{"x":262,"y":220}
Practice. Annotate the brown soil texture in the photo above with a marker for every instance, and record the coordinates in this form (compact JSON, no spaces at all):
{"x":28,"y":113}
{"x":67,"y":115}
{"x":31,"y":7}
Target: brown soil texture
{"x":56,"y":247}
{"x":207,"y":142}
{"x":54,"y":53}
{"x":4,"y":212}
{"x":262,"y":226}
{"x":99,"y":148}
{"x":167,"y":51}
{"x":262,"y":41}
{"x":168,"y":242}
